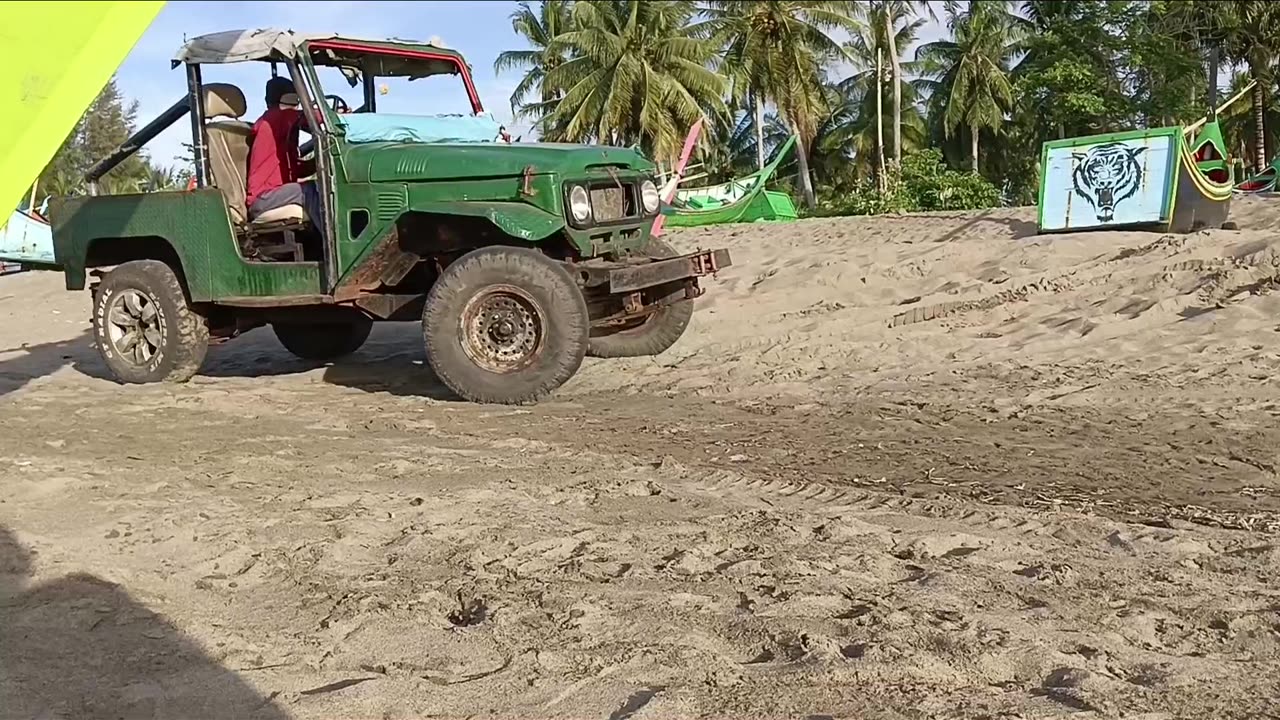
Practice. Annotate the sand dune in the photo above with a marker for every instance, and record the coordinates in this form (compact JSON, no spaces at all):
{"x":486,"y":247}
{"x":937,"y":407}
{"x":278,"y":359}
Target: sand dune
{"x":924,"y":466}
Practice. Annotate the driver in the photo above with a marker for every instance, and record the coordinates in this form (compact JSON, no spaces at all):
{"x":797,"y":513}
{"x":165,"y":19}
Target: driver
{"x":274,"y":166}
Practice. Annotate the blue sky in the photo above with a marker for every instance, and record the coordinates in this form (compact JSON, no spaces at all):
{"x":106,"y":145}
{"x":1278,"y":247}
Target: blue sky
{"x":479,"y":29}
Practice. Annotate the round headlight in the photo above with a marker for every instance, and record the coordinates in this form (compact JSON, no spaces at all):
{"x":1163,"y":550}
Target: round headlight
{"x":649,"y":196}
{"x":579,"y":204}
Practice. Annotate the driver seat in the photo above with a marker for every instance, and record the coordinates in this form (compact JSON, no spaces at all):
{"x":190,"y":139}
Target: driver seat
{"x":229,"y":156}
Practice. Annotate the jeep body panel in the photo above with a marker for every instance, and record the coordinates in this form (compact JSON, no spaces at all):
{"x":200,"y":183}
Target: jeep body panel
{"x":194,"y":225}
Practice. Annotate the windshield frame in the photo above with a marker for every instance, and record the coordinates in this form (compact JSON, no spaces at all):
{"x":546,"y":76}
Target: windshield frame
{"x":369,"y":80}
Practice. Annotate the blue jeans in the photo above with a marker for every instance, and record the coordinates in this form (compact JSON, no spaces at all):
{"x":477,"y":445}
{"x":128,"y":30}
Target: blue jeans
{"x":305,"y":194}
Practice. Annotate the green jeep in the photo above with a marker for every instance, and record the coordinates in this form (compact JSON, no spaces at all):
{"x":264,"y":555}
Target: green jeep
{"x":519,"y":259}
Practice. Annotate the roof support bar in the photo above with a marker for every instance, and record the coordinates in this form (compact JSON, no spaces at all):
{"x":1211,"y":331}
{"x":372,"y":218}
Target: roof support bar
{"x":137,"y":140}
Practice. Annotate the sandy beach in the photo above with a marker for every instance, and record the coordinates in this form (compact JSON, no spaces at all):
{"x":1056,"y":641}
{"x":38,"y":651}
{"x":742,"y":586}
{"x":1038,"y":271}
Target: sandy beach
{"x":930,"y":466}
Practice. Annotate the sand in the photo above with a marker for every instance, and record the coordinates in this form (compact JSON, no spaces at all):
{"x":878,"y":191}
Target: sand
{"x":929,"y":466}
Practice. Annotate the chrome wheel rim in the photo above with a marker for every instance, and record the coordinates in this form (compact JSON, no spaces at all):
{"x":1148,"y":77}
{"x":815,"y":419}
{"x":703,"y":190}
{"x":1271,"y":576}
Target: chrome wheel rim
{"x":133,"y":327}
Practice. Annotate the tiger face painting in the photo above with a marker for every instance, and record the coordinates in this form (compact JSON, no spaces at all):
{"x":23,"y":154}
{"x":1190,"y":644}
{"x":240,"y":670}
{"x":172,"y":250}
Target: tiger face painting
{"x":1106,"y":175}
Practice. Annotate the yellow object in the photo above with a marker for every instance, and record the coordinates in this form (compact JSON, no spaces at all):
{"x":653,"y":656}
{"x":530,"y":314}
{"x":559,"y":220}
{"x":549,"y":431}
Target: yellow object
{"x":384,"y":89}
{"x":54,"y":60}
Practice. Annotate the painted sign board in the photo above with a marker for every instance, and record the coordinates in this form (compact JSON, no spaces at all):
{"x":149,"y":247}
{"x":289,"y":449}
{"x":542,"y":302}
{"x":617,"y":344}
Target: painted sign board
{"x":1109,"y":181}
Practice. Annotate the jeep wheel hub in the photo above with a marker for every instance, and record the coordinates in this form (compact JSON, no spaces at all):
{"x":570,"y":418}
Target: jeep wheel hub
{"x":502,"y":329}
{"x":133,"y":327}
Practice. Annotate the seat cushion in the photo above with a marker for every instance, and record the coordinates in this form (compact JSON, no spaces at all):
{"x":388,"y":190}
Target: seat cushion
{"x":283,"y":213}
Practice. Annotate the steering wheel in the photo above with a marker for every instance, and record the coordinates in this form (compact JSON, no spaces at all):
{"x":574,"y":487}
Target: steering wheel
{"x":339,"y":105}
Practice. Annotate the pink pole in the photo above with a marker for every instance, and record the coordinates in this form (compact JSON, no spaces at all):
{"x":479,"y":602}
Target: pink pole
{"x":685,"y":152}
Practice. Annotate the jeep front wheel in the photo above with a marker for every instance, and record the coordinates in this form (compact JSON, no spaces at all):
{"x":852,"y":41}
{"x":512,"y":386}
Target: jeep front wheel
{"x":144,"y":327}
{"x":654,"y":333}
{"x":505,"y":325}
{"x":323,"y":341}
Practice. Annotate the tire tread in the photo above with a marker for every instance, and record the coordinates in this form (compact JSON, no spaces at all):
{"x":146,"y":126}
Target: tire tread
{"x":568,"y":323}
{"x":191,"y":331}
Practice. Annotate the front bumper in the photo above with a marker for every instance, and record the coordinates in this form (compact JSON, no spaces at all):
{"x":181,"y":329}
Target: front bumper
{"x":660,"y":272}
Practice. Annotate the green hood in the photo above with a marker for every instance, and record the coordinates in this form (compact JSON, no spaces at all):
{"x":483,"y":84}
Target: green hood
{"x":392,"y":162}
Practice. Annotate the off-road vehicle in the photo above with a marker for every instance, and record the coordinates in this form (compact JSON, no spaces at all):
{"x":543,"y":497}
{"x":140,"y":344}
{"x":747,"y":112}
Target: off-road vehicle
{"x":519,"y":259}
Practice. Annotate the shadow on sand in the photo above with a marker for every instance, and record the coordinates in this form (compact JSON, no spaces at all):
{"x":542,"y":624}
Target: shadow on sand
{"x":32,"y":362}
{"x":81,"y":647}
{"x":392,"y":362}
{"x":1020,"y":229}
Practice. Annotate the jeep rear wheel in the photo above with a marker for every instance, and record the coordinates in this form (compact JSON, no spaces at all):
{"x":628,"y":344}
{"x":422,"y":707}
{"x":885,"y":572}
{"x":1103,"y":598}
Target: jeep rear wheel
{"x":323,"y":341}
{"x":505,"y":325}
{"x":654,"y":333}
{"x":144,"y":327}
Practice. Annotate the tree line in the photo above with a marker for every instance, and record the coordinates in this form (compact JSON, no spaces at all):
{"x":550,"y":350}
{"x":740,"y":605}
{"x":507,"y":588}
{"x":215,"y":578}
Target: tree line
{"x":108,"y":122}
{"x":881,"y":125}
{"x":974,"y":107}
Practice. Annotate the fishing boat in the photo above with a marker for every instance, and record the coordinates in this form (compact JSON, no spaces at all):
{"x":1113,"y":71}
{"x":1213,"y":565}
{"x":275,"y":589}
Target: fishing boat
{"x":1170,"y":179}
{"x":26,"y":240}
{"x":1264,"y":181}
{"x":744,"y":199}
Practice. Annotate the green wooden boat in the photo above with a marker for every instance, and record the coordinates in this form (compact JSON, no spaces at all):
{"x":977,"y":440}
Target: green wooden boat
{"x":740,"y":200}
{"x":1264,"y":181}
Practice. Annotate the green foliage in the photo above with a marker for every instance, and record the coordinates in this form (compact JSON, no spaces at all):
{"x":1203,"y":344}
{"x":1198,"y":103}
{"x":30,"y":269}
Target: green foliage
{"x":1162,"y":49}
{"x":1007,"y":77}
{"x":109,"y":121}
{"x":968,"y":74}
{"x":923,"y":184}
{"x":534,"y":97}
{"x":636,"y":74}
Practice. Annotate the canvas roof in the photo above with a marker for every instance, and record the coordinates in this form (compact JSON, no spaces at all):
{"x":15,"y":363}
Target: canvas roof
{"x":233,"y":46}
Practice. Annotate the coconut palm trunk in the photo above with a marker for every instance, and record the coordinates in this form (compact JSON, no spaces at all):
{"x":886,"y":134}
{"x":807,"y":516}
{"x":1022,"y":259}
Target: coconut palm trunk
{"x":1259,"y":128}
{"x":897,"y":88}
{"x":879,"y":122}
{"x":802,"y":159}
{"x":759,"y":111}
{"x":973,"y":146}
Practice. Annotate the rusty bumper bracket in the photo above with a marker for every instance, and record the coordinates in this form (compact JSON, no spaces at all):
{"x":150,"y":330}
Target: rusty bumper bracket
{"x":661,"y":272}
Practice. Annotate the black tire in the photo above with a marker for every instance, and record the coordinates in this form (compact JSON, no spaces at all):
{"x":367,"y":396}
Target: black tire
{"x":656,"y":333}
{"x":145,"y":297}
{"x":505,"y":325}
{"x":323,"y":341}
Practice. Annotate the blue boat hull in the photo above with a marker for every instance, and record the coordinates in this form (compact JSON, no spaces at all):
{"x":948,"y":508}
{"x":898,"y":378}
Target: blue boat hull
{"x":25,"y":240}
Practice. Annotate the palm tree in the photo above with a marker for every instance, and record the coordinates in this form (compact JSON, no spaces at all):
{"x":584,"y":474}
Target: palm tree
{"x":1251,"y":30}
{"x":540,"y":29}
{"x":160,"y":178}
{"x":636,"y":73}
{"x":870,"y":45}
{"x":855,"y":123}
{"x":774,"y":52}
{"x":729,"y":149}
{"x":891,"y":20}
{"x":1239,"y":121}
{"x":969,"y":74}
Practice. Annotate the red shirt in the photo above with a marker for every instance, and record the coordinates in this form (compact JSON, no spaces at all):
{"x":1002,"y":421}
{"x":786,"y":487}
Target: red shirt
{"x":273,"y":152}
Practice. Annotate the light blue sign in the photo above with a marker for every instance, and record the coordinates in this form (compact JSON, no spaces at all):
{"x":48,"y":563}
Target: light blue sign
{"x":1115,"y":182}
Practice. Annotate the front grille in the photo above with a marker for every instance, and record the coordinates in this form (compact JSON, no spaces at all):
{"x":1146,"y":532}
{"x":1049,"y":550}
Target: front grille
{"x":611,"y":202}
